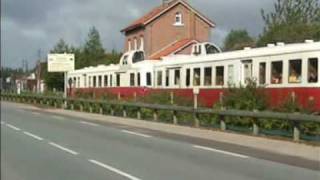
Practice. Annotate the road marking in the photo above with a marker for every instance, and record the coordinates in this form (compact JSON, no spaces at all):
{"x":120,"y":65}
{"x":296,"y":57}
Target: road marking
{"x":2,"y":123}
{"x":221,"y":151}
{"x":63,"y":148}
{"x":13,"y":127}
{"x":35,"y":113}
{"x":32,"y":135}
{"x":58,"y":117}
{"x":113,"y":169}
{"x":88,"y":123}
{"x":137,"y":134}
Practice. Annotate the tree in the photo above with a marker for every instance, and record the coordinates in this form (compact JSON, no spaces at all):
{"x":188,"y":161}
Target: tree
{"x":238,"y":39}
{"x":60,"y":47}
{"x":112,"y":58}
{"x":93,"y":52}
{"x":291,"y":21}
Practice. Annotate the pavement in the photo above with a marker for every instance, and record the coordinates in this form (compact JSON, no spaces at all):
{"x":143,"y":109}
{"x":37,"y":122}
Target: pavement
{"x":55,"y":144}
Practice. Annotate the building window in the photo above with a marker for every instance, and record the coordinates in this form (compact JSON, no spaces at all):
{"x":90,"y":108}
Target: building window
{"x":219,"y":75}
{"x":178,"y":19}
{"x":167,"y":78}
{"x":188,"y":77}
{"x":100,"y":81}
{"x":295,"y":71}
{"x":159,"y":78}
{"x":313,"y":70}
{"x":105,"y":80}
{"x":141,"y":43}
{"x":138,"y":56}
{"x":118,"y":80}
{"x":276,"y":72}
{"x":177,"y":77}
{"x":149,"y":79}
{"x":94,"y":81}
{"x":196,"y":76}
{"x":208,"y":76}
{"x":131,"y":79}
{"x":129,"y":45}
{"x":262,"y":73}
{"x":135,"y":41}
{"x":138,"y":79}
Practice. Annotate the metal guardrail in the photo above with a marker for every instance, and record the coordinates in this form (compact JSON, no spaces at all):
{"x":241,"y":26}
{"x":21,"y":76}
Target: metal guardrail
{"x":59,"y":102}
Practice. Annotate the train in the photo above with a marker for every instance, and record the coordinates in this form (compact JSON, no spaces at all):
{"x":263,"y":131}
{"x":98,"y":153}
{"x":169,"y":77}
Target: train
{"x":282,"y":69}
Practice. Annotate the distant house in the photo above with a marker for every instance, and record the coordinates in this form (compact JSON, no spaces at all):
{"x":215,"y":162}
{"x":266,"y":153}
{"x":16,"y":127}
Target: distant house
{"x":171,"y":28}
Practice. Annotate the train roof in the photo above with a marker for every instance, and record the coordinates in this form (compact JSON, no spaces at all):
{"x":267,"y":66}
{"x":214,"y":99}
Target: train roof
{"x":246,"y":53}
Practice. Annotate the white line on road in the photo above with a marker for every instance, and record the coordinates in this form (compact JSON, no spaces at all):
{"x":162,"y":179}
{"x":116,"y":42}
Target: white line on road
{"x":88,"y":123}
{"x":137,"y":134}
{"x":63,"y":148}
{"x":32,"y":135}
{"x":221,"y":151}
{"x":13,"y":127}
{"x":113,"y":169}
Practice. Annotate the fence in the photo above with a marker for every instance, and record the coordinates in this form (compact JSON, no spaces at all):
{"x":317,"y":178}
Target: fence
{"x":296,"y":119}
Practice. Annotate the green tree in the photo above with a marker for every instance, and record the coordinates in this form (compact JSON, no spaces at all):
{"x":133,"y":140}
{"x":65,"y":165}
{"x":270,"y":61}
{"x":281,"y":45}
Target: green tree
{"x":238,"y":39}
{"x":291,"y":21}
{"x":112,"y":58}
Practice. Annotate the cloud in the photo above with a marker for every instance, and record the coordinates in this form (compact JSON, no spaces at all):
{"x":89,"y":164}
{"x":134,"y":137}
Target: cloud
{"x":27,"y":26}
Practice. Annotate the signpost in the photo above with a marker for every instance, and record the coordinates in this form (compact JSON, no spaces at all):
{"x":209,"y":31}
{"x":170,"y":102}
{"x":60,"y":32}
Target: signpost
{"x":61,"y":63}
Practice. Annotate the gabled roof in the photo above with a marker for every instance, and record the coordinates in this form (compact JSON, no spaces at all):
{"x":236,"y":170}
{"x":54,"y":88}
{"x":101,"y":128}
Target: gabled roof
{"x":172,"y":48}
{"x":158,"y":11}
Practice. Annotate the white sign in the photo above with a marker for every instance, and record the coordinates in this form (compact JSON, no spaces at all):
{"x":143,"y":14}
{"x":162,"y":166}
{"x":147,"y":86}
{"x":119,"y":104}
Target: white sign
{"x":60,"y":62}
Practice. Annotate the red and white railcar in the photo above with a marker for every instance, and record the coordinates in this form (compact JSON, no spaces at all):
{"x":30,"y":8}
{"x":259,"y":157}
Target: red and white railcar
{"x":283,"y":69}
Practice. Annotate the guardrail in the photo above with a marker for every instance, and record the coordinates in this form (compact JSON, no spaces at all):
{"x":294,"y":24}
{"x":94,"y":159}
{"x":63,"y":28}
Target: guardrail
{"x":58,"y":102}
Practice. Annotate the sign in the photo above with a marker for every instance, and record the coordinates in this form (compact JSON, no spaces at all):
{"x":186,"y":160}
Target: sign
{"x":60,"y":62}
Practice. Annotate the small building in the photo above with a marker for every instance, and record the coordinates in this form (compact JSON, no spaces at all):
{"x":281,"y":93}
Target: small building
{"x":171,"y":28}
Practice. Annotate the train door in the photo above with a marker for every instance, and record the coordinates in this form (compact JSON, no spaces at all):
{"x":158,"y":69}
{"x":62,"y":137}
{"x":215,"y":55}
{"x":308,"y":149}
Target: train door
{"x":247,"y":70}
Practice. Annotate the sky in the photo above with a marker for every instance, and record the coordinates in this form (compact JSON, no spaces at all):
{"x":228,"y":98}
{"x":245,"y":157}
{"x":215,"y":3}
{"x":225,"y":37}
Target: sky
{"x":28,"y":26}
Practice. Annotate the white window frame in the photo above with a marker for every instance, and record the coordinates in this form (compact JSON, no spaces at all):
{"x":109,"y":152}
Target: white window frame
{"x":178,"y":20}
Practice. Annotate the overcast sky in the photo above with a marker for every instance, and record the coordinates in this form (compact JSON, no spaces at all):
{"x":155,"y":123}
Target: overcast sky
{"x":30,"y":25}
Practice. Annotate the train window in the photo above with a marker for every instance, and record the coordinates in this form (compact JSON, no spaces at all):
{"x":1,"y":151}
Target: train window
{"x":210,"y":49}
{"x":94,"y":81}
{"x":219,"y":75}
{"x":188,"y":77}
{"x":208,"y":76}
{"x":196,"y":76}
{"x":105,"y":80}
{"x":111,"y":80}
{"x":138,"y":56}
{"x":167,"y":77}
{"x":131,"y":79}
{"x":313,"y":69}
{"x":100,"y":81}
{"x":177,"y":77}
{"x":138,"y":79}
{"x":159,"y":78}
{"x":74,"y":81}
{"x":149,"y":79}
{"x":262,"y":73}
{"x":276,"y":72}
{"x":231,"y":74}
{"x":125,"y":60}
{"x":295,"y":69}
{"x":118,"y":80}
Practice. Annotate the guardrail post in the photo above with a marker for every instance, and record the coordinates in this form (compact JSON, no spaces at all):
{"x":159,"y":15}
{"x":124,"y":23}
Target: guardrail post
{"x":90,"y":108}
{"x":112,"y":110}
{"x":124,"y":111}
{"x":196,"y":120}
{"x":174,"y":118}
{"x":101,"y":109}
{"x":155,"y":115}
{"x":139,"y":113}
{"x":296,"y":131}
{"x":81,"y":107}
{"x":223,"y":125}
{"x":255,"y":127}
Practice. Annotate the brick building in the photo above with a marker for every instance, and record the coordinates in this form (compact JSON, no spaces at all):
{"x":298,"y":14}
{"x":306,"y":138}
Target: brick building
{"x":171,"y":28}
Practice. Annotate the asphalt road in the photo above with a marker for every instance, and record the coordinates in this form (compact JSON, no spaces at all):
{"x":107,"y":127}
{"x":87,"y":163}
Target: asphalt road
{"x":40,"y":146}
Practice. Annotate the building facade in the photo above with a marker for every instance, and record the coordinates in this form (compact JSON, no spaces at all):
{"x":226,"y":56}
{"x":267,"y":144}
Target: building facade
{"x":170,"y":28}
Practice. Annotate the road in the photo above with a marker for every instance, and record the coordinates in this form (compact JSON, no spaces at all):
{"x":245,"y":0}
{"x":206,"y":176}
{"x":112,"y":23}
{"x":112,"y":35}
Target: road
{"x":37,"y":146}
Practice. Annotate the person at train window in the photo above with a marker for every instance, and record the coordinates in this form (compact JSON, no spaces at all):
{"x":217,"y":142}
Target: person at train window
{"x":313,"y":77}
{"x":294,"y":77}
{"x":276,"y":78}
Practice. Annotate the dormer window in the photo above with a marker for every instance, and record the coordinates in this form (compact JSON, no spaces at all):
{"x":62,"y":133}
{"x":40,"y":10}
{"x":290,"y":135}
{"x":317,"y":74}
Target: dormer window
{"x":178,"y":19}
{"x":125,"y":60}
